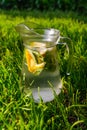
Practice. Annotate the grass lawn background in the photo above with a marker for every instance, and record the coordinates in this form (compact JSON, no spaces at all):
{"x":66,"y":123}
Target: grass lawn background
{"x":68,"y":111}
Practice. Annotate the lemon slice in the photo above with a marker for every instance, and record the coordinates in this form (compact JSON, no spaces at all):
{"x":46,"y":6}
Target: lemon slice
{"x":33,"y":66}
{"x":38,"y":44}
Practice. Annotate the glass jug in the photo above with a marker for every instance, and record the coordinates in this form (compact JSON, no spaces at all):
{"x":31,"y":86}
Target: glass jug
{"x":40,"y":69}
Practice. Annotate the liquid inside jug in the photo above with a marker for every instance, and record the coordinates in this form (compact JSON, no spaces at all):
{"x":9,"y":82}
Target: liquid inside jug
{"x":40,"y":72}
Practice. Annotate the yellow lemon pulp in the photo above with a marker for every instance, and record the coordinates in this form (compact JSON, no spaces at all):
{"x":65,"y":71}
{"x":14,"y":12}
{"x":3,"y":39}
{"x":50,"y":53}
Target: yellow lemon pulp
{"x":33,"y":67}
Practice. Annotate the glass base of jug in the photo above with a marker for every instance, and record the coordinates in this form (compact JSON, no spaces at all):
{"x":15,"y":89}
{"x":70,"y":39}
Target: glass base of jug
{"x":44,"y":94}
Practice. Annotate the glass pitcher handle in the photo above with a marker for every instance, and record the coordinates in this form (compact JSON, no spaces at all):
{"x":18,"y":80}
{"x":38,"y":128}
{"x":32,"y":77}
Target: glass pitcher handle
{"x":69,"y":47}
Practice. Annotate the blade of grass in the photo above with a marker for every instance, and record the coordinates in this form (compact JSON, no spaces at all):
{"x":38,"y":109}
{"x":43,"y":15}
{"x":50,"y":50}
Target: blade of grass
{"x":76,"y":123}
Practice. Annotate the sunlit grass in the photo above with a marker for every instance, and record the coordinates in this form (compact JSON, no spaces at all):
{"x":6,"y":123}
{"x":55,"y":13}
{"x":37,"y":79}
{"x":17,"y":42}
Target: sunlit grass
{"x":68,"y":110}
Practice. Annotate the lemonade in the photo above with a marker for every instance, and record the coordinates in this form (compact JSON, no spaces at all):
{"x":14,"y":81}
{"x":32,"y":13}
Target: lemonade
{"x":41,"y":73}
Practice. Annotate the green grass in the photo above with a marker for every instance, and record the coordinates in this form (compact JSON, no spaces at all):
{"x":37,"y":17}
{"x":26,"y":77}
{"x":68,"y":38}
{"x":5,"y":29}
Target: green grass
{"x":68,"y":111}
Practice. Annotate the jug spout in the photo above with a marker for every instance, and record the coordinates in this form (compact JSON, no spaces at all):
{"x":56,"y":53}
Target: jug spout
{"x":24,"y":29}
{"x":27,"y":34}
